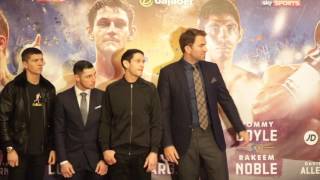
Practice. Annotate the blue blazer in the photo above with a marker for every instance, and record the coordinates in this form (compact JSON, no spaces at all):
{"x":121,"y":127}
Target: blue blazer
{"x":175,"y":103}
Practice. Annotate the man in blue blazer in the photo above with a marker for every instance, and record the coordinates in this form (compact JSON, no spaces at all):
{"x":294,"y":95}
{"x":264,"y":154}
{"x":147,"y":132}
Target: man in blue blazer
{"x":77,"y":117}
{"x":190,"y":91}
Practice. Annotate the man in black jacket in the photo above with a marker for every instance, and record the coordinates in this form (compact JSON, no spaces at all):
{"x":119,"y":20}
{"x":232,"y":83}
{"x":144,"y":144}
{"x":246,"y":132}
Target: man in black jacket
{"x":26,"y":107}
{"x":130,"y":130}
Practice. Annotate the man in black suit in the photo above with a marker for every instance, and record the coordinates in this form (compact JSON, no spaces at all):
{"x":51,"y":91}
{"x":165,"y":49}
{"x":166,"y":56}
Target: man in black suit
{"x":77,"y":119}
{"x":190,"y":91}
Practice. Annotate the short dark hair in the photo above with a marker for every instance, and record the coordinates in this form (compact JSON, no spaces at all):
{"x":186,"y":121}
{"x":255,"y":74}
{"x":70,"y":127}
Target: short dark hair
{"x":128,"y":55}
{"x":99,"y":4}
{"x":28,"y":52}
{"x":80,"y":65}
{"x":4,"y":26}
{"x":218,"y":7}
{"x":189,"y":36}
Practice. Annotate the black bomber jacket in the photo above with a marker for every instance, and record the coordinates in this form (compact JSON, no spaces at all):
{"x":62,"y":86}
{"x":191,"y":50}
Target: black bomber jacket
{"x":131,"y":116}
{"x":15,"y":111}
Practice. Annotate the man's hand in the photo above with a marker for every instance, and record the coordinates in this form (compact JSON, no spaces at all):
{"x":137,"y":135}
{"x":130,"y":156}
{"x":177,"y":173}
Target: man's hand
{"x":291,"y":118}
{"x":151,"y":161}
{"x":67,"y":170}
{"x":13,"y":158}
{"x":244,"y":135}
{"x":273,"y":102}
{"x":171,"y":154}
{"x":52,"y":158}
{"x":37,"y":41}
{"x":108,"y":156}
{"x":101,"y":168}
{"x":5,"y":75}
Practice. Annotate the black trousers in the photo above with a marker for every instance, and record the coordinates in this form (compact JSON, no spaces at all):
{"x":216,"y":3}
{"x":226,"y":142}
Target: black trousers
{"x":129,"y":167}
{"x":203,"y":153}
{"x":86,"y":175}
{"x":83,"y":170}
{"x":31,"y":167}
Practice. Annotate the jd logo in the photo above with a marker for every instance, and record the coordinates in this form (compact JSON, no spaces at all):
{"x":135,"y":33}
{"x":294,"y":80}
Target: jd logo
{"x":311,"y":138}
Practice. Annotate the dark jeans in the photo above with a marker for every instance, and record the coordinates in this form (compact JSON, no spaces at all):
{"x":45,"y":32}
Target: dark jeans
{"x":129,"y":168}
{"x":31,"y":167}
{"x":203,"y":152}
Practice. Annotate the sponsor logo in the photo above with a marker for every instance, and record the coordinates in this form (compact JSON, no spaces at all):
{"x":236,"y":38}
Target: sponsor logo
{"x":149,"y":3}
{"x":281,"y":3}
{"x":146,"y":3}
{"x":311,"y":138}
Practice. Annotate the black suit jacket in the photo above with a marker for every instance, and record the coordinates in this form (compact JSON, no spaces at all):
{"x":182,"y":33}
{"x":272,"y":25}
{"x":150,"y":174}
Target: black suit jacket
{"x":175,"y":102}
{"x":72,"y":137}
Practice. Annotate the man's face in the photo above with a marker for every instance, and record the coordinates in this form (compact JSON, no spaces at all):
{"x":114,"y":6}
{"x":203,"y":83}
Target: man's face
{"x":223,"y":35}
{"x":86,"y":79}
{"x":110,"y":30}
{"x":136,"y":65}
{"x":198,"y":49}
{"x":34,"y":64}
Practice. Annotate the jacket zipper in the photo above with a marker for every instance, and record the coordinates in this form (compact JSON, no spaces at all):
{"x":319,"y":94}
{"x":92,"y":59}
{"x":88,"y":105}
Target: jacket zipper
{"x":44,"y":121}
{"x":28,"y":119}
{"x":131,"y":114}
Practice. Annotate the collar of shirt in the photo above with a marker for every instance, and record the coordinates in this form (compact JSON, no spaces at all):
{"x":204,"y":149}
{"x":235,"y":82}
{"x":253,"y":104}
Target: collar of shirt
{"x":189,"y":66}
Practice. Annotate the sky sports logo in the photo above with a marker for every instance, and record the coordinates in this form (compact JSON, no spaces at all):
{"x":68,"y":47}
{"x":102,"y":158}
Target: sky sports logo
{"x":149,"y":3}
{"x":281,"y":3}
